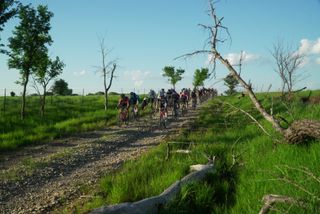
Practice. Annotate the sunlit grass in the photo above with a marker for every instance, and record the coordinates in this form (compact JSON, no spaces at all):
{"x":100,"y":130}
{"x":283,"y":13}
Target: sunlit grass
{"x":64,"y":115}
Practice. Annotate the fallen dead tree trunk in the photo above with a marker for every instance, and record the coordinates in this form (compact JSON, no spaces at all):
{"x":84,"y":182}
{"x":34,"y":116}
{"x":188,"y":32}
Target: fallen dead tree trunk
{"x":152,"y":204}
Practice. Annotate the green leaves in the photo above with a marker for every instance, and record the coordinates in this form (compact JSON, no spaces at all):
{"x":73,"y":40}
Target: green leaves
{"x":231,"y":82}
{"x":173,"y":75}
{"x":200,"y":76}
{"x":60,"y":87}
{"x":7,"y":11}
{"x":30,"y":38}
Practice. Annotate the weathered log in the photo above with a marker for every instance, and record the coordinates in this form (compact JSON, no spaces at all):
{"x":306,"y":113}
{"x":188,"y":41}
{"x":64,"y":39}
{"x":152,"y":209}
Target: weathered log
{"x":270,"y":200}
{"x":302,"y":131}
{"x":152,"y":204}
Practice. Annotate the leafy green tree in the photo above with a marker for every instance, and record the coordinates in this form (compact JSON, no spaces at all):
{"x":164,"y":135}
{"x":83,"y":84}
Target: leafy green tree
{"x":173,"y":75}
{"x":231,"y":82}
{"x":200,"y":76}
{"x":60,"y":87}
{"x":28,"y":45}
{"x":8,"y":9}
{"x":47,"y":71}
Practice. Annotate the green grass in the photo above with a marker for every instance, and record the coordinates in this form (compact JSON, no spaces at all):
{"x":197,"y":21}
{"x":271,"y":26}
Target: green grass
{"x":64,"y":115}
{"x":261,"y":167}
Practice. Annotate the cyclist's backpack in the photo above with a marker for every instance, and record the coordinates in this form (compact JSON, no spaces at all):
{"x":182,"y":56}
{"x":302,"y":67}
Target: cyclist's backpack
{"x":152,"y":94}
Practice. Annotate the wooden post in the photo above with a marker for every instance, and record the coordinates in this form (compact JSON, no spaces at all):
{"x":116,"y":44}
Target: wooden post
{"x":4,"y":101}
{"x":82,"y":96}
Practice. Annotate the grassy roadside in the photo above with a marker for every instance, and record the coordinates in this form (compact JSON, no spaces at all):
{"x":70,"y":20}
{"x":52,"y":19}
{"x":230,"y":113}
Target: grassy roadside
{"x":261,"y":167}
{"x":64,"y":115}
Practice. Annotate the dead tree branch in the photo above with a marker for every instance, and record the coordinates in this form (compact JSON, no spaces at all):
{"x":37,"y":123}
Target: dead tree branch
{"x":270,"y":200}
{"x":106,"y":70}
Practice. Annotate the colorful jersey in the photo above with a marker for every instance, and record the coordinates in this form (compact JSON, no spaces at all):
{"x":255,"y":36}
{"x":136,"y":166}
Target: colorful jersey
{"x":123,"y":102}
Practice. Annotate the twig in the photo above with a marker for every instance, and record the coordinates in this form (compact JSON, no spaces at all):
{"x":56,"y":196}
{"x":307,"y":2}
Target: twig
{"x":306,"y":171}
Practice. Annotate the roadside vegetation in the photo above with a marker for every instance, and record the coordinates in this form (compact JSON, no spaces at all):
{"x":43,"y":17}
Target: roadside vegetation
{"x":64,"y":115}
{"x":249,"y":164}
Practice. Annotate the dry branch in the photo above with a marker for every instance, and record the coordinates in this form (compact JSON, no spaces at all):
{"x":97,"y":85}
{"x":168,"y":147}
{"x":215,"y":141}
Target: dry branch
{"x":270,"y":200}
{"x":152,"y":204}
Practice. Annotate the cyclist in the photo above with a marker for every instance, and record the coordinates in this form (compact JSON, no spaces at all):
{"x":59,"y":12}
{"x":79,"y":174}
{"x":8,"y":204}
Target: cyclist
{"x":162,"y":101}
{"x":133,"y":103}
{"x":175,"y":102}
{"x":152,"y":98}
{"x":162,"y":93}
{"x":123,"y":102}
{"x":123,"y":105}
{"x":184,"y":97}
{"x":194,"y":98}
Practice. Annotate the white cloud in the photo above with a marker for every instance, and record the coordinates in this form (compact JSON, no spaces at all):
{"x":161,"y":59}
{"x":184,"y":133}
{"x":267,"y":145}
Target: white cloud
{"x":308,"y":47}
{"x":79,"y":73}
{"x":234,"y":58}
{"x":137,"y":76}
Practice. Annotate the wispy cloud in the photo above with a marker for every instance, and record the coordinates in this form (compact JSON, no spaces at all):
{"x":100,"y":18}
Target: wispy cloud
{"x":137,"y":76}
{"x":309,"y":47}
{"x":234,"y":58}
{"x":79,"y":73}
{"x":318,"y":61}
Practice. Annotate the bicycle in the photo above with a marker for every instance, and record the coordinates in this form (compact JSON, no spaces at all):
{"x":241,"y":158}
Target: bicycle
{"x":194,"y":103}
{"x":163,"y":117}
{"x":134,"y":112}
{"x":175,"y":109}
{"x":184,"y":109}
{"x":123,"y":116}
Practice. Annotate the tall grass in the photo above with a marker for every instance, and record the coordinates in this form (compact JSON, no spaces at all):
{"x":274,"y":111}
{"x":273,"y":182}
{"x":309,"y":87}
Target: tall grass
{"x":64,"y":115}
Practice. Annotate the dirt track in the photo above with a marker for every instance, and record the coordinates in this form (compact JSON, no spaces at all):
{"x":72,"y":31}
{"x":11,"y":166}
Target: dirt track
{"x":39,"y":179}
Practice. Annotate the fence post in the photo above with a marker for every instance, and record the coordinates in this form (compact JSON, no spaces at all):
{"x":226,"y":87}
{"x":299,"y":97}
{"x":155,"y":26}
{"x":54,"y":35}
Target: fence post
{"x":4,"y":101}
{"x":82,"y":96}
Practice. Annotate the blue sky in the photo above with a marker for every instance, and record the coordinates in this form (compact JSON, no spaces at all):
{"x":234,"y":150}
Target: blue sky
{"x":147,"y":35}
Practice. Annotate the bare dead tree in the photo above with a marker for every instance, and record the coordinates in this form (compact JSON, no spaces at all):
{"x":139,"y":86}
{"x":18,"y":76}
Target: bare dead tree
{"x":107,"y":70}
{"x":288,"y":62}
{"x":296,"y":133}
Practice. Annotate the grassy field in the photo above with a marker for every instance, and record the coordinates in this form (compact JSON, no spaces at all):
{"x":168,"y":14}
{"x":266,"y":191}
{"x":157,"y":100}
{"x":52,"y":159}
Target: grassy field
{"x":261,"y":166}
{"x":64,"y":115}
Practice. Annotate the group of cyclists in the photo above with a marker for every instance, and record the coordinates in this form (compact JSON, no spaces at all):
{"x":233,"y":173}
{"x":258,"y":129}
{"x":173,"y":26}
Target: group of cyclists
{"x":165,"y":102}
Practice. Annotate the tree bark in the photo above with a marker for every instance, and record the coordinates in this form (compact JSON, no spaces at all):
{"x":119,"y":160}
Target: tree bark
{"x":43,"y":103}
{"x":109,"y":86}
{"x":105,"y":88}
{"x":23,"y":104}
